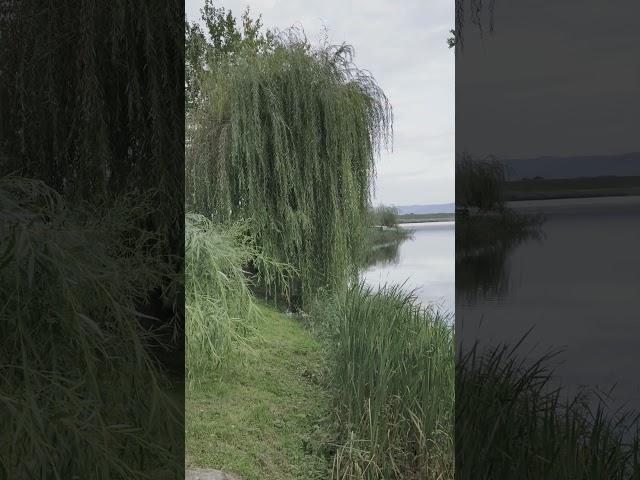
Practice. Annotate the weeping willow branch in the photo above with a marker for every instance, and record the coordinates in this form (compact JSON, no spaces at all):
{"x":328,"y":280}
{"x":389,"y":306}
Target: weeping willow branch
{"x":479,"y":12}
{"x":288,"y":140}
{"x":91,"y":97}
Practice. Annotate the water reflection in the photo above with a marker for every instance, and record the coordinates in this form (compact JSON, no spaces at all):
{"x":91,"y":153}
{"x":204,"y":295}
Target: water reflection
{"x":386,"y":254}
{"x":577,"y":286}
{"x":424,"y":263}
{"x":482,"y":274}
{"x":483,"y":247}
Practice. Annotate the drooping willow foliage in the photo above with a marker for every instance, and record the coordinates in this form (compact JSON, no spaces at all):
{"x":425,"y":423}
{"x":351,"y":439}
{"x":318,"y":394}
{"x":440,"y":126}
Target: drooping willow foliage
{"x":480,"y":183}
{"x":220,"y":307}
{"x":288,"y":139}
{"x":480,"y":13}
{"x":92,"y":100}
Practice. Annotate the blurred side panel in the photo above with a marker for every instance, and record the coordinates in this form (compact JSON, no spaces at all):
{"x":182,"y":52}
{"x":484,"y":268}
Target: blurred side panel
{"x":91,"y":239}
{"x":547,"y":235}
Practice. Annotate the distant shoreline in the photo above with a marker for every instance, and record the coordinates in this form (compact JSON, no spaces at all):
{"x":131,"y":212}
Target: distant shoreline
{"x":426,"y":218}
{"x":426,"y":221}
{"x":555,"y":189}
{"x":552,"y":196}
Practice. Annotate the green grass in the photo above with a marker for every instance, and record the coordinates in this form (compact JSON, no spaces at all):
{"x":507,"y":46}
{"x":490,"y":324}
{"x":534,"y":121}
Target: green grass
{"x":81,"y":397}
{"x":220,"y":308}
{"x":262,"y":417}
{"x":219,"y":305}
{"x":370,"y":398}
{"x":253,"y":398}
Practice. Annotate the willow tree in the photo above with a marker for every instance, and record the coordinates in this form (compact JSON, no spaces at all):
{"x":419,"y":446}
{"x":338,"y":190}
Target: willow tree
{"x":288,"y":140}
{"x":480,"y":183}
{"x":92,"y":101}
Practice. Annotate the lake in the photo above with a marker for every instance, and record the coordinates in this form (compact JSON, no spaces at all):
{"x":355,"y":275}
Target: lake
{"x":425,"y":263}
{"x":578,"y":286}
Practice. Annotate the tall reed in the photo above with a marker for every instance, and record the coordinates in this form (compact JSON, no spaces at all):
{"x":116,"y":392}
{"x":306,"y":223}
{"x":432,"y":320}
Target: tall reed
{"x":392,"y":375}
{"x":511,"y":422}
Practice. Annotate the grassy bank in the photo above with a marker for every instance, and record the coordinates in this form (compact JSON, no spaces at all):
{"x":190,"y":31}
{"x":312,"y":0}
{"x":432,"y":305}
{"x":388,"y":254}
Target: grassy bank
{"x":253,"y":404}
{"x":378,"y":236}
{"x":261,"y":418}
{"x":220,"y":306}
{"x":367,"y":393}
{"x":426,"y":217}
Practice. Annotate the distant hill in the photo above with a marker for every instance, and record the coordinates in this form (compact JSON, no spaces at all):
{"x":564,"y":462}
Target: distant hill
{"x":433,"y":208}
{"x":627,"y":164}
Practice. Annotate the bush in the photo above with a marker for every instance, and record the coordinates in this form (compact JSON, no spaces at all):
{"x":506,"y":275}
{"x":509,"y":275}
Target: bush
{"x":386,"y":216}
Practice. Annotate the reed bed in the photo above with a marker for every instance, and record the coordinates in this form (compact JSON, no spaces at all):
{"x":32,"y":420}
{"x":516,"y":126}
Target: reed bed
{"x":392,"y":378}
{"x":512,"y":423}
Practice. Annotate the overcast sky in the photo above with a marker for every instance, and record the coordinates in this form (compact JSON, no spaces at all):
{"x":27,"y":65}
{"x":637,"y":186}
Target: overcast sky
{"x":403,"y":44}
{"x":555,"y":78}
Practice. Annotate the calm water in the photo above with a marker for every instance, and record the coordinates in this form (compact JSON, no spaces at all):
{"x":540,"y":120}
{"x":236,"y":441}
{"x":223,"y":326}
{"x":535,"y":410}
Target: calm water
{"x":578,"y":287}
{"x":426,"y":263}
